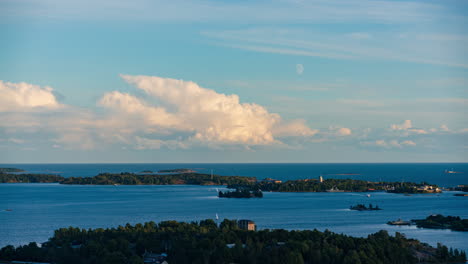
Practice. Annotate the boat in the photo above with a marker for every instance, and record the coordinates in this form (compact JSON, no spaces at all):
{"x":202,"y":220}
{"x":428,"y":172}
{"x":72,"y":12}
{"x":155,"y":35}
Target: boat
{"x":451,"y":171}
{"x":399,"y":222}
{"x":368,"y":195}
{"x":8,"y":210}
{"x":217,"y":217}
{"x":461,"y":194}
{"x":334,"y":189}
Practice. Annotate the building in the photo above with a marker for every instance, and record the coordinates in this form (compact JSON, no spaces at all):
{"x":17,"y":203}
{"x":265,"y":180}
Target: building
{"x":247,"y":225}
{"x":152,"y":258}
{"x":271,"y":180}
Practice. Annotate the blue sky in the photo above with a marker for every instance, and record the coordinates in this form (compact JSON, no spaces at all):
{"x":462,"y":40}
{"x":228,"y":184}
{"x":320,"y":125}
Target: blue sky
{"x":222,"y":81}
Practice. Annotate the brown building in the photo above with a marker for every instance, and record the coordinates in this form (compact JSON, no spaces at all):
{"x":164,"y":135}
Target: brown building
{"x":247,"y":225}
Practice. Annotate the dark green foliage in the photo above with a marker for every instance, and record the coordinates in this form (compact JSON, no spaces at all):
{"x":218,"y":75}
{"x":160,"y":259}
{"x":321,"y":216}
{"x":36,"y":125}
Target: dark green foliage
{"x":29,"y":178}
{"x":205,"y":242}
{"x":10,"y":170}
{"x":126,"y":178}
{"x":363,"y":207}
{"x":313,"y":185}
{"x":443,"y":222}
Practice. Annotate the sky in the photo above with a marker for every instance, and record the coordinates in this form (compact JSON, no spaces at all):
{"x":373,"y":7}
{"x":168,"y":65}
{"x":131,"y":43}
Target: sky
{"x":233,"y":81}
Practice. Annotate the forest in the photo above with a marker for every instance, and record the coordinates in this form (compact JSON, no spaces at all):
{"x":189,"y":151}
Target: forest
{"x":209,"y":242}
{"x":314,"y":185}
{"x":443,"y":222}
{"x":29,"y":178}
{"x":126,"y":178}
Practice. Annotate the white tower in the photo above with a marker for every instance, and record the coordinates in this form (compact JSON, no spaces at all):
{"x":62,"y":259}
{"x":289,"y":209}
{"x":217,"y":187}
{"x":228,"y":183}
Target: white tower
{"x":321,"y":179}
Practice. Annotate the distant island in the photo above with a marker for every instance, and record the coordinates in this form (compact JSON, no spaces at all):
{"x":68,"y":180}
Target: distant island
{"x":337,"y":185}
{"x":443,"y":222}
{"x":232,"y":182}
{"x":11,"y":170}
{"x":177,"y":171}
{"x":227,"y":242}
{"x":362,"y":207}
{"x":30,"y":178}
{"x":146,"y":171}
{"x":126,"y":178}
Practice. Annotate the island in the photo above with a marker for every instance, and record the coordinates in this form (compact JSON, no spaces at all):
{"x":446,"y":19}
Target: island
{"x":30,"y":178}
{"x":338,"y":185}
{"x":241,"y":193}
{"x":438,"y":221}
{"x":362,"y":207}
{"x":146,"y":171}
{"x":177,"y":171}
{"x":232,"y":182}
{"x":11,"y":170}
{"x":230,"y":241}
{"x":399,"y":222}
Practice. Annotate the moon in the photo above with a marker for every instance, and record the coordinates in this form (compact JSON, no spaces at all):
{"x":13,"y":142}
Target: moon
{"x":299,"y":69}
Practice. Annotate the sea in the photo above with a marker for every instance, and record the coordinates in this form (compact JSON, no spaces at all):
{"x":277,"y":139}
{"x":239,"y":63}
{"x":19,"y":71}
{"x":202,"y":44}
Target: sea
{"x":36,"y":210}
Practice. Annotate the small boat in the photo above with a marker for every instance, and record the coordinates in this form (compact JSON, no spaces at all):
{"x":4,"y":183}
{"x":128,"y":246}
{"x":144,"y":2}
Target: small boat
{"x":461,"y":194}
{"x":334,"y":189}
{"x":217,"y":217}
{"x":368,"y":195}
{"x":8,"y":210}
{"x":451,"y":171}
{"x":399,"y":222}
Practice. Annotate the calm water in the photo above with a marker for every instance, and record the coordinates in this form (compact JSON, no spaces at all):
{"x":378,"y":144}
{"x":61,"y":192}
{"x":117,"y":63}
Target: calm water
{"x":38,"y":209}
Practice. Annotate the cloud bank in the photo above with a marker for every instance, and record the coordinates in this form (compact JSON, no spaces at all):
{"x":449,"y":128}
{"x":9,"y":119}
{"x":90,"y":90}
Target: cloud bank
{"x":26,"y":97}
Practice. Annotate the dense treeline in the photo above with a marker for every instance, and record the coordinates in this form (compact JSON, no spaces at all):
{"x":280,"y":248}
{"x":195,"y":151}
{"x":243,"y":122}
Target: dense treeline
{"x":126,"y":178}
{"x":313,"y":185}
{"x":443,"y":222}
{"x":233,"y":182}
{"x":29,"y":178}
{"x":206,"y":242}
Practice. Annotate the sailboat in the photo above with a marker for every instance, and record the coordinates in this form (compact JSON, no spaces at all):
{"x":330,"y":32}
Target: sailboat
{"x":217,"y":217}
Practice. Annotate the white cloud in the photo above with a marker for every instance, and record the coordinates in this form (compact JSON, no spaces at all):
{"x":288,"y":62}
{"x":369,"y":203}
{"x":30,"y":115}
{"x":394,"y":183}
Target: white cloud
{"x":404,"y":126}
{"x":407,"y":128}
{"x":408,"y":143}
{"x":343,"y":131}
{"x":210,"y":116}
{"x":444,"y":128}
{"x":299,"y":69}
{"x":389,"y":144}
{"x":146,"y":143}
{"x":294,"y":128}
{"x":26,"y":97}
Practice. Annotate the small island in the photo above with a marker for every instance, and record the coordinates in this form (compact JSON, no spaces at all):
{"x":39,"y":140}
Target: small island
{"x":146,"y":171}
{"x":399,"y":222}
{"x":241,"y":193}
{"x":230,"y":241}
{"x":362,"y":207}
{"x":177,"y":171}
{"x":443,"y":222}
